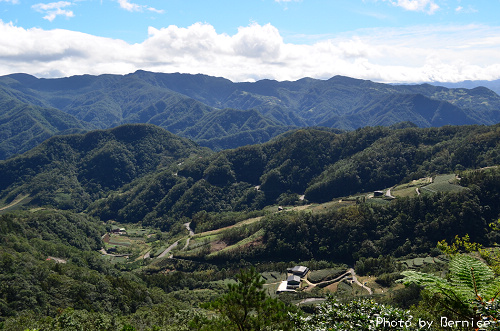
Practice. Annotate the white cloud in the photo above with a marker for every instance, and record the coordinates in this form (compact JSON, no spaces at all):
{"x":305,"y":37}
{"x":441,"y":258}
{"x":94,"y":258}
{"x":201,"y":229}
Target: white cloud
{"x":428,"y":6}
{"x":158,"y":11}
{"x":53,"y":9}
{"x":257,"y":41}
{"x":467,"y":10}
{"x":413,"y":54}
{"x":127,"y":5}
{"x":13,"y":1}
{"x":132,"y":7}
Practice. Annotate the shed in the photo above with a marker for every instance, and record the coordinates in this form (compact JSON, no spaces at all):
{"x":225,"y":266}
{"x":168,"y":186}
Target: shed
{"x":299,"y":270}
{"x":293,"y":281}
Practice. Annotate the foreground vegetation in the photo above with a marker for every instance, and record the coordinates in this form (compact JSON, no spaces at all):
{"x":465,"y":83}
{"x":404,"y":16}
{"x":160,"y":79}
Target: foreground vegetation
{"x":54,"y":278}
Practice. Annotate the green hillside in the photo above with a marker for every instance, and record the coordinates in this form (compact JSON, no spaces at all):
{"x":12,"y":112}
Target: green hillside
{"x":24,"y":126}
{"x":143,"y":173}
{"x":73,"y":170}
{"x":136,"y":181}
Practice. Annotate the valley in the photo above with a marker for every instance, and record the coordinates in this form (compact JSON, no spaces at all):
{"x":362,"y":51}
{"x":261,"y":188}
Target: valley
{"x":136,"y":226}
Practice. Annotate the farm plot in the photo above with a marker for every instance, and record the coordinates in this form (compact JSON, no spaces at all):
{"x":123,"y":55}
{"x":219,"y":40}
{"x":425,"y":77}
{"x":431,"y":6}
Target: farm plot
{"x":115,"y":240}
{"x":322,"y":275}
{"x":442,"y":183}
{"x":409,"y":189}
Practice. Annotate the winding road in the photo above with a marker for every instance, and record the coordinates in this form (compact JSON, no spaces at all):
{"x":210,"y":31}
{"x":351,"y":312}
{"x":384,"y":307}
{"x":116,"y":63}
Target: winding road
{"x":355,"y":280}
{"x":191,"y":233}
{"x":165,"y":252}
{"x":174,"y":245}
{"x":17,"y":200}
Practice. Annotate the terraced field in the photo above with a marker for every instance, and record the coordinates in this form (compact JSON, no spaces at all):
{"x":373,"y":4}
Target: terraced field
{"x":420,"y":261}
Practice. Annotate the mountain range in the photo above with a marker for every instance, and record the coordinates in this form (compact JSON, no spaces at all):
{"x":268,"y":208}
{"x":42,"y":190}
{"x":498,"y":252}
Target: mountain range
{"x":221,"y":114}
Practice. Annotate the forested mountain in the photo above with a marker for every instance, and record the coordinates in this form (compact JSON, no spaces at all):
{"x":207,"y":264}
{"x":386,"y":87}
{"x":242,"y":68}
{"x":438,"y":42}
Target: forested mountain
{"x":24,"y":125}
{"x":71,"y":171}
{"x":143,"y":173}
{"x":221,"y":114}
{"x":321,"y":164}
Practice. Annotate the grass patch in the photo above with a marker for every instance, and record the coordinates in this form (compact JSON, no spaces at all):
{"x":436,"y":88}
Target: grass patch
{"x":218,"y":231}
{"x":159,"y":250}
{"x":139,"y":232}
{"x":18,"y":201}
{"x":404,"y":192}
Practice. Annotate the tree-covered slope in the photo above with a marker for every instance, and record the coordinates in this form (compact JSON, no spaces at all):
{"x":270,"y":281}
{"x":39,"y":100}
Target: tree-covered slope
{"x":23,"y":125}
{"x":322,"y":165}
{"x":493,"y":85}
{"x":49,"y":262}
{"x":416,"y":108}
{"x":141,"y":172}
{"x":230,"y":128}
{"x":109,"y":100}
{"x":72,"y":170}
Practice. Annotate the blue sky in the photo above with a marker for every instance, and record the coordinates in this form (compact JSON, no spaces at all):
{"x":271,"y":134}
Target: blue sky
{"x":245,"y":40}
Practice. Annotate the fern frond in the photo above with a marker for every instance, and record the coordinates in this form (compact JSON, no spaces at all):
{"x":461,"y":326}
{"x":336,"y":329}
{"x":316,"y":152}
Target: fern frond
{"x":432,"y":283}
{"x":469,"y":280}
{"x":471,"y":277}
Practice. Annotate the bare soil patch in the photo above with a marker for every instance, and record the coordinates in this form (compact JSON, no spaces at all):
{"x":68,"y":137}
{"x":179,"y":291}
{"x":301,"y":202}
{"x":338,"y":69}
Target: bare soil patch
{"x":217,"y":246}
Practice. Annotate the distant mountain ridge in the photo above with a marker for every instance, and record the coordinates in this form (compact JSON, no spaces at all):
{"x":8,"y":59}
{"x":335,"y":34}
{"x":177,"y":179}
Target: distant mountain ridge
{"x":220,"y":114}
{"x":493,"y":85}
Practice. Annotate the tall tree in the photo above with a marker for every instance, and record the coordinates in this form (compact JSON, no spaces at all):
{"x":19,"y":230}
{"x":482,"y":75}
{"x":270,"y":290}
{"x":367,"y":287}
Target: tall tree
{"x":245,"y":306}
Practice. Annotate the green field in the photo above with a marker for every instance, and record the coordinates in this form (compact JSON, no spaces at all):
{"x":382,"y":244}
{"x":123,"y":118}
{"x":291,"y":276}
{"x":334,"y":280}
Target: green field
{"x":442,"y":183}
{"x":317,"y":276}
{"x":119,"y":241}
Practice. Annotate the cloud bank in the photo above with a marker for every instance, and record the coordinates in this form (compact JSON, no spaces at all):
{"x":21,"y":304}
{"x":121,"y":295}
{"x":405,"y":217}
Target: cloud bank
{"x":413,"y":54}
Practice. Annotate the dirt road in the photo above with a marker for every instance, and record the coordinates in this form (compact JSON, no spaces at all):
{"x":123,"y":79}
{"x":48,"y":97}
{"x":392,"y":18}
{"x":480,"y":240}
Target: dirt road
{"x":350,"y":272}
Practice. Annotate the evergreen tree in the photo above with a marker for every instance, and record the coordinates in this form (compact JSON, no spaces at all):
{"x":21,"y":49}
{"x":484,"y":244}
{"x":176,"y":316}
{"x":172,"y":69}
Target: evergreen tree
{"x":246,"y":307}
